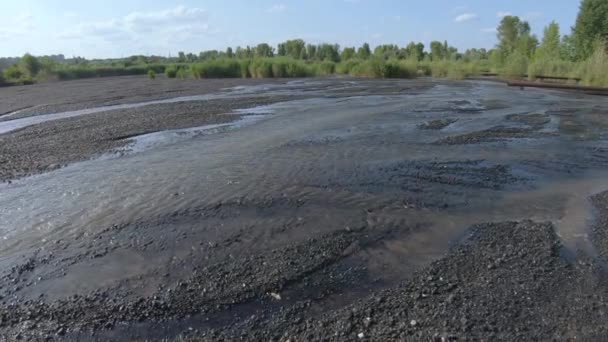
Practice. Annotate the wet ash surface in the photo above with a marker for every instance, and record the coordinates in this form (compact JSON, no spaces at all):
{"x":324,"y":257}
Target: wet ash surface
{"x":54,"y":97}
{"x":51,"y":145}
{"x":437,"y":124}
{"x":492,"y":135}
{"x":506,"y":282}
{"x":530,"y":119}
{"x":370,"y":210}
{"x":600,"y":226}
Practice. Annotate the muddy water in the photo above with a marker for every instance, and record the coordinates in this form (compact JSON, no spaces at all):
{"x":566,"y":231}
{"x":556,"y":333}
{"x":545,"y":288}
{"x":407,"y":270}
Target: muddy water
{"x":359,"y":161}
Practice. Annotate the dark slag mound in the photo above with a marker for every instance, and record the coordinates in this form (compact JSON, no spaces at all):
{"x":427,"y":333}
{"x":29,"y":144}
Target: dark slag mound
{"x":507,"y":282}
{"x":437,"y":124}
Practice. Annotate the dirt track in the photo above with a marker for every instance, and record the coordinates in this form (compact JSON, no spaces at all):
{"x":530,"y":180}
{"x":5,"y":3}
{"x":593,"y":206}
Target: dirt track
{"x":352,"y":210}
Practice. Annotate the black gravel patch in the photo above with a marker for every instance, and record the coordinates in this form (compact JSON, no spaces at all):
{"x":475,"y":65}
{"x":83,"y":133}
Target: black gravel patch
{"x":437,"y":124}
{"x":51,"y":145}
{"x":413,"y":174}
{"x":506,"y":282}
{"x":535,"y":119}
{"x":491,"y":135}
{"x":600,"y":227}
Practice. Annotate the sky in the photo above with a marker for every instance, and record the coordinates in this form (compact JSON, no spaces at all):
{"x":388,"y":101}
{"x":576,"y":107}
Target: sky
{"x":110,"y":28}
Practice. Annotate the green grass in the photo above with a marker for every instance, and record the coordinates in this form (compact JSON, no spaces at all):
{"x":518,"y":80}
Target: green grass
{"x":593,"y":71}
{"x":515,"y":67}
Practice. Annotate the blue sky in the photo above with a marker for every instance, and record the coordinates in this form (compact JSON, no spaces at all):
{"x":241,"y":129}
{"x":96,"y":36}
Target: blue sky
{"x":121,"y":28}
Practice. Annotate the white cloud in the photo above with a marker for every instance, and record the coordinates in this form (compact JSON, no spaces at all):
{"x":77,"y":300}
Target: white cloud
{"x":19,"y":26}
{"x":532,"y":15}
{"x":155,"y":25}
{"x":503,"y":14}
{"x":277,"y":8}
{"x":488,"y":30}
{"x":157,"y":32}
{"x":465,"y":17}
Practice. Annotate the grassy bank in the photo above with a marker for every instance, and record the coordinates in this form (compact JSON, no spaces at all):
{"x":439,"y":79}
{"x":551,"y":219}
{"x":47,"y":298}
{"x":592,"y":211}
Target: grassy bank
{"x":593,"y":71}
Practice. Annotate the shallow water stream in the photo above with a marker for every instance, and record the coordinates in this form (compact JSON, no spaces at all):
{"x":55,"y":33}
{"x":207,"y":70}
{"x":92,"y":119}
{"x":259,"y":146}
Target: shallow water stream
{"x":353,"y":161}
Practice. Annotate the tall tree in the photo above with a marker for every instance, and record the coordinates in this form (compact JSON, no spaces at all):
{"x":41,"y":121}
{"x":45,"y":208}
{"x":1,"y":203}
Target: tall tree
{"x":526,"y":45}
{"x":348,"y":53}
{"x":591,"y":25}
{"x":514,"y":34}
{"x":437,"y":51}
{"x":567,"y":50}
{"x":550,"y":46}
{"x":508,"y":33}
{"x":264,"y":50}
{"x":364,"y":51}
{"x":293,"y":48}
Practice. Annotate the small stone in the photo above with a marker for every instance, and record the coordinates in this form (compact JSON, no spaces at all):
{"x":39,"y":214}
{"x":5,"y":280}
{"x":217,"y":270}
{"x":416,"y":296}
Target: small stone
{"x":413,"y":323}
{"x":275,"y":295}
{"x":361,"y":335}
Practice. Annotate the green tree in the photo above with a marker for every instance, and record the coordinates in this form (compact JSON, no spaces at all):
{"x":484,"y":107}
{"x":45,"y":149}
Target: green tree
{"x":591,"y":25}
{"x":364,"y":51}
{"x":30,"y":65}
{"x":386,"y":51}
{"x":281,"y":50}
{"x":412,"y":51}
{"x":526,"y":45}
{"x":509,"y":31}
{"x":348,"y":53}
{"x":181,"y":57}
{"x":229,"y":52}
{"x":311,"y":51}
{"x":293,"y":48}
{"x":328,"y":52}
{"x":13,"y":73}
{"x":567,"y":50}
{"x":264,"y":50}
{"x":550,"y":46}
{"x":437,"y":51}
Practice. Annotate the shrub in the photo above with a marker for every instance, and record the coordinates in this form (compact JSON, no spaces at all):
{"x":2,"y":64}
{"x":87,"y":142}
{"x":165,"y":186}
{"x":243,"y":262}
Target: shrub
{"x":325,"y":69}
{"x":30,"y":65}
{"x":516,"y":66}
{"x":439,"y":69}
{"x":216,"y":68}
{"x":244,"y":66}
{"x":260,"y":68}
{"x":171,"y":72}
{"x":152,"y":74}
{"x":594,"y":70}
{"x":399,"y":69}
{"x":549,"y":67}
{"x":13,"y":73}
{"x":181,"y":73}
{"x":346,"y":67}
{"x":372,"y":68}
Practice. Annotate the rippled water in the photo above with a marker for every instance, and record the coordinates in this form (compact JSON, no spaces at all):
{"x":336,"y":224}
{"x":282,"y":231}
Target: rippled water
{"x":328,"y":149}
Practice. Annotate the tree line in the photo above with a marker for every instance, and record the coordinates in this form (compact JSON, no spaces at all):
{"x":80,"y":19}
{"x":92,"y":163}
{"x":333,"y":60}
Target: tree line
{"x":517,"y":52}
